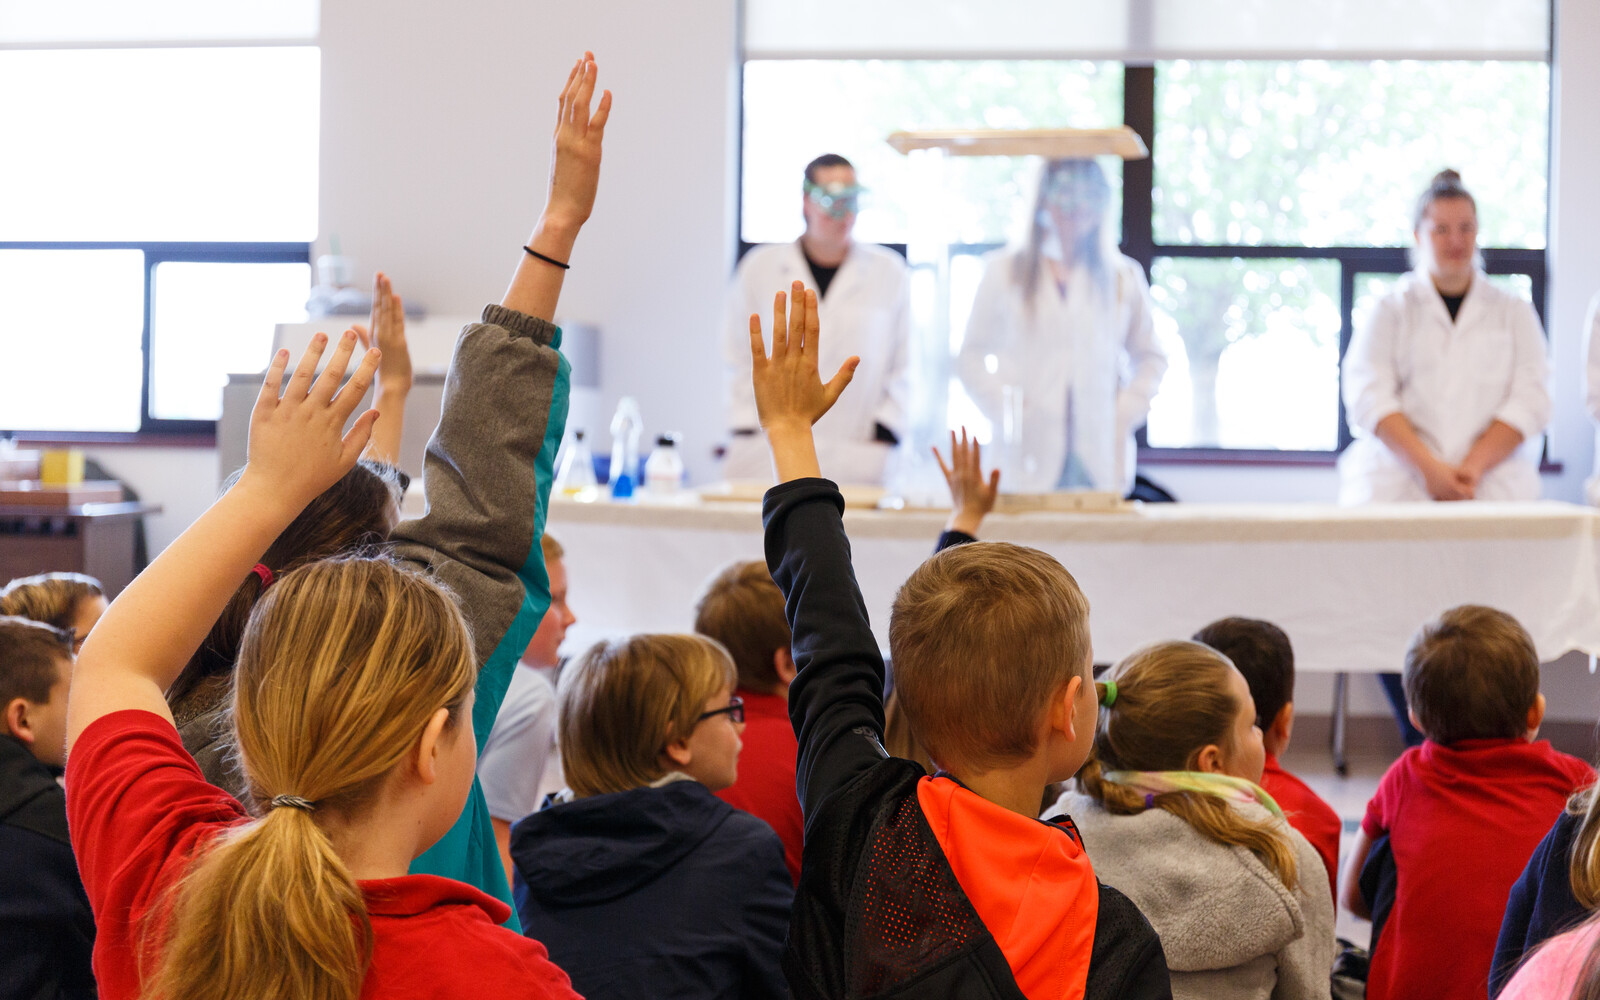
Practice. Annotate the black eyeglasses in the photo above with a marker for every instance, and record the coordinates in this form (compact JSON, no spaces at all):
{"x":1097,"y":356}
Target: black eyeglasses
{"x":734,"y":710}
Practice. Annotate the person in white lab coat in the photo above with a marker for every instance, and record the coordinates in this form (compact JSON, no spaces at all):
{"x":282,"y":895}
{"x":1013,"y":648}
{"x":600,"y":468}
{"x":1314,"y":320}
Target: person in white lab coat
{"x":1446,"y":383}
{"x":1065,"y":318}
{"x":863,"y":299}
{"x":1591,"y":392}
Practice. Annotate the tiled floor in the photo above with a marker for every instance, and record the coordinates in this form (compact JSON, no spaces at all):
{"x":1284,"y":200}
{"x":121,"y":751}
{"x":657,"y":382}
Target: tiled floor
{"x":1348,"y":796}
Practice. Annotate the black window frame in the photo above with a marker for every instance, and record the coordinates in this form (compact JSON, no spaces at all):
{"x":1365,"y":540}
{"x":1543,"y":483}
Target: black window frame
{"x":1138,"y":243}
{"x":152,"y":430}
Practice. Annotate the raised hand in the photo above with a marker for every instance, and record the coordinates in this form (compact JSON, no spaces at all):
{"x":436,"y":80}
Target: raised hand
{"x":575,"y":153}
{"x":790,"y":393}
{"x":972,"y":496}
{"x":388,"y":334}
{"x":298,"y":445}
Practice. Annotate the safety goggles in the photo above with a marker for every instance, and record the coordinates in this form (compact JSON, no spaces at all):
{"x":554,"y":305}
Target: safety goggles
{"x":837,"y":200}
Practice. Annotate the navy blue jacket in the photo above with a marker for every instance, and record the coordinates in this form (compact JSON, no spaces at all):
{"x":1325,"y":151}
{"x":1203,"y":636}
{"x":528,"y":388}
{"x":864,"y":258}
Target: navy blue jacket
{"x":1541,"y":904}
{"x":665,"y":892}
{"x":46,"y":926}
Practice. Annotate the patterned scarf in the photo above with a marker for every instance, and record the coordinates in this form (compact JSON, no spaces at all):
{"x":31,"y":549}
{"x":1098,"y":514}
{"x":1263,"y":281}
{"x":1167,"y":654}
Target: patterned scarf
{"x":1222,"y":786}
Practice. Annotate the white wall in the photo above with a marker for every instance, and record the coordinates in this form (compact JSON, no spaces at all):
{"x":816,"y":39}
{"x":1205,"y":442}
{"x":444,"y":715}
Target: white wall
{"x":435,"y":147}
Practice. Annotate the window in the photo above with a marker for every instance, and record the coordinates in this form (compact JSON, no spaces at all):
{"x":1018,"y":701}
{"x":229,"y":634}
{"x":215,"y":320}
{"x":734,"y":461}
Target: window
{"x":172,"y":199}
{"x":1277,"y":201}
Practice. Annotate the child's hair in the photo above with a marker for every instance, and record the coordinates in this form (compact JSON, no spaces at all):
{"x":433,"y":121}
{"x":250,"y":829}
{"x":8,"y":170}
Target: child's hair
{"x":1583,"y":868}
{"x":1445,"y":184}
{"x":982,"y":637}
{"x":743,"y":609}
{"x":31,"y":655}
{"x":1172,"y":701}
{"x":551,"y":548}
{"x":1472,"y":674}
{"x":51,"y":598}
{"x":1261,"y":652}
{"x":342,"y":665}
{"x":347,"y":517}
{"x":622,"y":702}
{"x":898,"y":738}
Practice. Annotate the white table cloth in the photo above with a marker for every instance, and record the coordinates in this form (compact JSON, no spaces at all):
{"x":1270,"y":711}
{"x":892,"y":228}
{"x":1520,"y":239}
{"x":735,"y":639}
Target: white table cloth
{"x":1349,"y":585}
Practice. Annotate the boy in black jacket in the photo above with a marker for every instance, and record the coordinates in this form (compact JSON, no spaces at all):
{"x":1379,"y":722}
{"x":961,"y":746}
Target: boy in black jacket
{"x":947,"y":886}
{"x":46,"y":927}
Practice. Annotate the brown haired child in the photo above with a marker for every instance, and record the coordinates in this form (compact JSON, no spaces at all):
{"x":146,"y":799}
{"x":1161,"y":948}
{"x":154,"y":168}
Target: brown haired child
{"x":1463,"y":812}
{"x":933,"y":886}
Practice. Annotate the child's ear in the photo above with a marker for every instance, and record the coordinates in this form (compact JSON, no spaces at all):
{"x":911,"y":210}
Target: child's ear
{"x":16,"y":720}
{"x":428,"y":747}
{"x":783,"y":664}
{"x":677,"y":754}
{"x":1063,"y":709}
{"x":1536,"y":716}
{"x":1281,"y":727}
{"x":1209,"y":759}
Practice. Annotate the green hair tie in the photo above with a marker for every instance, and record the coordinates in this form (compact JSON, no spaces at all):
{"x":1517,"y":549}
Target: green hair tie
{"x":1108,"y":693}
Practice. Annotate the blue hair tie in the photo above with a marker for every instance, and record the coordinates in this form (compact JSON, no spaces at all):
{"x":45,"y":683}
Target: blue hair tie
{"x":1149,"y":800}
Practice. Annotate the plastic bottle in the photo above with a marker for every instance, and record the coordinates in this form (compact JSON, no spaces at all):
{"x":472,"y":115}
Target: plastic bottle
{"x":626,"y":426}
{"x":575,"y":478}
{"x":663,"y":470}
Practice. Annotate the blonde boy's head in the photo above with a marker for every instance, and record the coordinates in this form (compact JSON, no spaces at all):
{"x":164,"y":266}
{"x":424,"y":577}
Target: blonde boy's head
{"x":1472,"y":673}
{"x":743,"y":609}
{"x":983,"y":637}
{"x":622,"y":703}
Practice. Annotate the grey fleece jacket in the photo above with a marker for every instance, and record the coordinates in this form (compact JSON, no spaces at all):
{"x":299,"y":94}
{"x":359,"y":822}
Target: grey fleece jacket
{"x":1230,"y":928}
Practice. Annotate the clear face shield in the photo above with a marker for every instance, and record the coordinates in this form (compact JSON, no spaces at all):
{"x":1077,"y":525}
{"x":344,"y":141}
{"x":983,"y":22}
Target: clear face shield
{"x":837,"y":201}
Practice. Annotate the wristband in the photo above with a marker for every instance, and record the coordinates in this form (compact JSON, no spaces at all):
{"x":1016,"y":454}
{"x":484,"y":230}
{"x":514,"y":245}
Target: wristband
{"x":548,"y":260}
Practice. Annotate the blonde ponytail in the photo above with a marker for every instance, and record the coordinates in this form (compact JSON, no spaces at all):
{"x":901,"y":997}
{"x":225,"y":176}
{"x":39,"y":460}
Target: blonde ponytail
{"x":1584,"y":866}
{"x":1171,"y":701}
{"x":343,"y":664}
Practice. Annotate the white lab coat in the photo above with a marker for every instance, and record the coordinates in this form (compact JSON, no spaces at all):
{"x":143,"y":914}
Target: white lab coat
{"x":1095,"y":348}
{"x":865,"y":312}
{"x":1451,"y":381}
{"x":1591,"y":392}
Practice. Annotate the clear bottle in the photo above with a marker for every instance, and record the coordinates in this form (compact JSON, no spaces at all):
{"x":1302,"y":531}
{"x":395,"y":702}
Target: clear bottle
{"x":626,"y":426}
{"x":575,"y":479}
{"x":663,"y":470}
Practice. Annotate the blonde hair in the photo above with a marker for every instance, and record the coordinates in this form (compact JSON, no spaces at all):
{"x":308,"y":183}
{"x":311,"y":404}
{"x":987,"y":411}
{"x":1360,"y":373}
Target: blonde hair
{"x":622,"y":702}
{"x":51,"y":598}
{"x":1583,"y":868}
{"x":342,"y":665}
{"x":1173,"y":701}
{"x":982,"y":636}
{"x":743,"y":609}
{"x":551,"y":548}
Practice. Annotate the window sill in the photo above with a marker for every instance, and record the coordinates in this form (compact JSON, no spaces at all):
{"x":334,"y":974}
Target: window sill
{"x":136,"y":439}
{"x":1263,"y":457}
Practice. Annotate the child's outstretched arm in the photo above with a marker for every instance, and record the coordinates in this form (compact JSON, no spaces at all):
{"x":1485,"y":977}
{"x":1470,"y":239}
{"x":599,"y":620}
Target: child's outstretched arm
{"x":298,"y":448}
{"x":836,"y":700}
{"x":972,"y":495}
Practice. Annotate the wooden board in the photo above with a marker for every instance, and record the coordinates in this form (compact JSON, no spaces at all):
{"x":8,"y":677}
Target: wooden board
{"x":1054,"y":143}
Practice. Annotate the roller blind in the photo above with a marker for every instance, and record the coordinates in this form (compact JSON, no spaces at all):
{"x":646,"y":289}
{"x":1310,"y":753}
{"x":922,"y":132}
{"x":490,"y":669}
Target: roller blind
{"x":75,"y":23}
{"x":1148,"y":30}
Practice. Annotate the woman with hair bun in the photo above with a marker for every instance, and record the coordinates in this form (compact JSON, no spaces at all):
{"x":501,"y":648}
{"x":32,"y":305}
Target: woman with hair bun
{"x":1446,"y":385}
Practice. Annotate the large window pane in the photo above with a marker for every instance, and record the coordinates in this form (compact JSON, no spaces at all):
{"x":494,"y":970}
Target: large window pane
{"x":70,"y":323}
{"x":1320,"y":153}
{"x":103,"y":21}
{"x":211,"y":320}
{"x":1254,"y":352}
{"x":144,"y":145}
{"x":795,"y":110}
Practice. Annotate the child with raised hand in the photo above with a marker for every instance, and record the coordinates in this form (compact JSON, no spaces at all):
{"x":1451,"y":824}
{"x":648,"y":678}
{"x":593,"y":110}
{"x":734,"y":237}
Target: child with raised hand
{"x":354,"y":716}
{"x":932,"y":886}
{"x":643,"y":883}
{"x":487,"y":475}
{"x":1172,"y":812}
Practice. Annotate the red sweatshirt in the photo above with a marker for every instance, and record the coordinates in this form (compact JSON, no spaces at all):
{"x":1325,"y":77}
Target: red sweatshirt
{"x":765,"y":788}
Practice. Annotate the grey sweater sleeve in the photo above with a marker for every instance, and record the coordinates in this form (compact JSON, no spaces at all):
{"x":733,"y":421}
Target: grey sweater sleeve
{"x":1305,"y":963}
{"x":487,"y":477}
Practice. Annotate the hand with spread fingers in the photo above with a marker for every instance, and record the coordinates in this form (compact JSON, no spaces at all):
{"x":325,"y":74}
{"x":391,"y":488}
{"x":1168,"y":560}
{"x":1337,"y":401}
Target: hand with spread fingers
{"x":790,"y":393}
{"x":972,"y":496}
{"x":387,"y":334}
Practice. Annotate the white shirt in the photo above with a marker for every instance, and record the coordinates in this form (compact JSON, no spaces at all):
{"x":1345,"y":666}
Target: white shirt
{"x":1591,"y":391}
{"x":865,"y":312}
{"x":1451,"y":380}
{"x":521,"y":760}
{"x":1094,"y":346}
